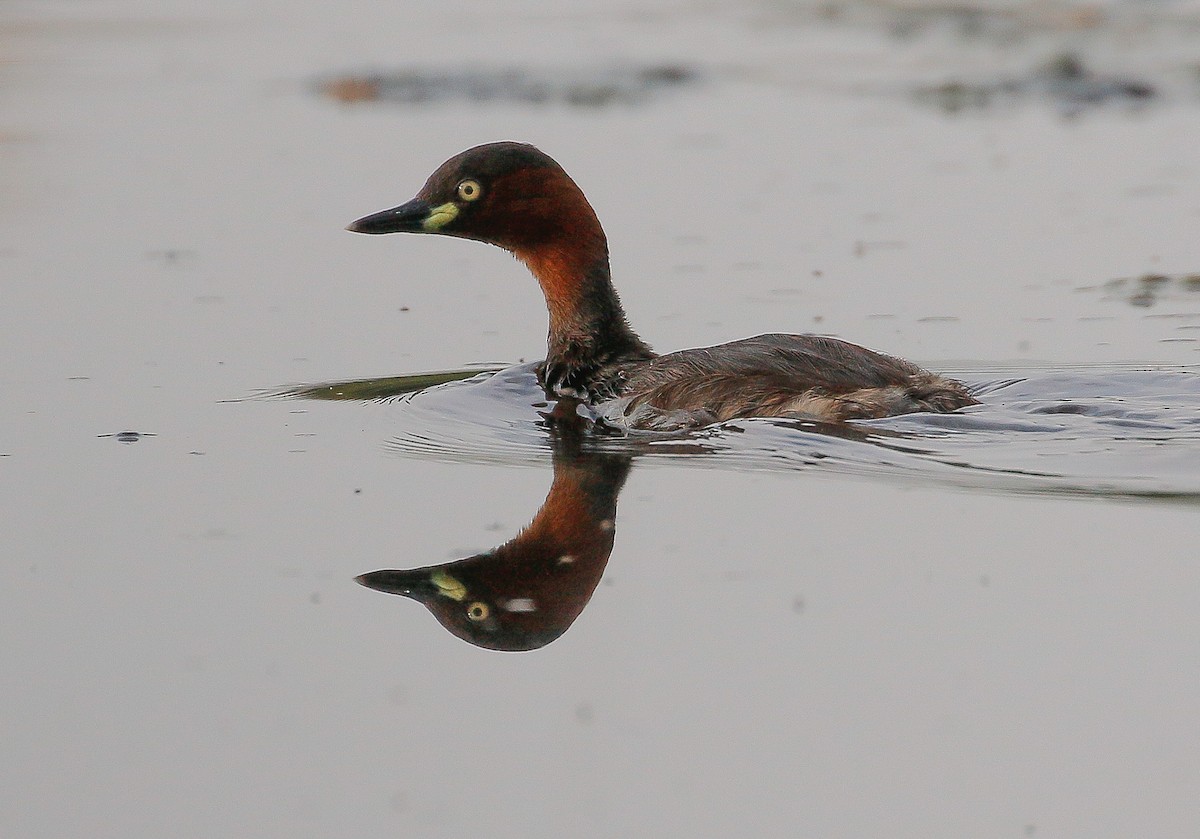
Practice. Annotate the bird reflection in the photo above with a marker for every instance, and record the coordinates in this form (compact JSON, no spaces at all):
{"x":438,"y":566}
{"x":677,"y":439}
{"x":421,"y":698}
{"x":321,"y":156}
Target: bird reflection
{"x":525,"y":593}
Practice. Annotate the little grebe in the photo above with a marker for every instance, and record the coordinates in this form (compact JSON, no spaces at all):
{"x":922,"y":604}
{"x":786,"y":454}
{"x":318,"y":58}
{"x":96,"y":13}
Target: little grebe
{"x":514,"y":196}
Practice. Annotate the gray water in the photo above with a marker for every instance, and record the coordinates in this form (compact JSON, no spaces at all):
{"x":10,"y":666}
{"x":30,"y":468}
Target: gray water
{"x":972,"y":625}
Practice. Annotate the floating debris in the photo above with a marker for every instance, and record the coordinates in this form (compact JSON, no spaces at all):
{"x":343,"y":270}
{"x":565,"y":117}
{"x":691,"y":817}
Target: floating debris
{"x":128,"y":436}
{"x":1148,"y":289}
{"x":594,"y":87}
{"x":367,"y":390}
{"x":1065,"y":81}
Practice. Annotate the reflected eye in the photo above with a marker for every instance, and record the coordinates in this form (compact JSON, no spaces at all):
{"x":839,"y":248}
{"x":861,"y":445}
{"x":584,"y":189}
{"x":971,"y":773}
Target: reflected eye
{"x":478,"y":611}
{"x":470,"y":190}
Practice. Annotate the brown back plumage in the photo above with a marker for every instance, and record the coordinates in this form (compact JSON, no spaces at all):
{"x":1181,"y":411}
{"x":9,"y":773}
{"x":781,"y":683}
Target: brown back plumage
{"x":805,"y":376}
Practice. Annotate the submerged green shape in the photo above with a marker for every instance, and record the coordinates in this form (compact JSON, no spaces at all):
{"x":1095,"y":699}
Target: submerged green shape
{"x":388,"y":387}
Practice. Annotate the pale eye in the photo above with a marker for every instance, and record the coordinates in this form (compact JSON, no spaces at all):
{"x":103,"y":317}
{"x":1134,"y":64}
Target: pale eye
{"x":478,"y":611}
{"x":470,"y":190}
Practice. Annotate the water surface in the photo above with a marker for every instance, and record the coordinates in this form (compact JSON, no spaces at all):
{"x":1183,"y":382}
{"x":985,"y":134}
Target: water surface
{"x":976,"y":625}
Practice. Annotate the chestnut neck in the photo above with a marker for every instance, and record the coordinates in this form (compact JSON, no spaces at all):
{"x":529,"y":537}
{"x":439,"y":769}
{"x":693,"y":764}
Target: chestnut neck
{"x":588,"y":327}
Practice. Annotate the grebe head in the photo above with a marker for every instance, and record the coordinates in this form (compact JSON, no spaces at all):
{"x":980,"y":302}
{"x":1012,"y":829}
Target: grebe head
{"x":513,"y":196}
{"x":459,"y":595}
{"x":507,"y":194}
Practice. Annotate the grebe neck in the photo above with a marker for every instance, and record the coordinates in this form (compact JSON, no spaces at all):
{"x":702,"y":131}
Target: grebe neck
{"x":588,"y":327}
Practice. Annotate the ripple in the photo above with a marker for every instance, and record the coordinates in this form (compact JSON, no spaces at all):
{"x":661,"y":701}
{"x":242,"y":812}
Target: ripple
{"x":1092,"y":431}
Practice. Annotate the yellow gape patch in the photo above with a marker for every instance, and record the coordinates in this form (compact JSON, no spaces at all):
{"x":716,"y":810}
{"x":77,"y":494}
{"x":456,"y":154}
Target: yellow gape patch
{"x":439,"y":217}
{"x":448,"y":586}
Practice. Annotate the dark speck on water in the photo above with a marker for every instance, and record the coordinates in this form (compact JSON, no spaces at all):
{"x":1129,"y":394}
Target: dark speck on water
{"x":171,"y":256}
{"x":128,"y":436}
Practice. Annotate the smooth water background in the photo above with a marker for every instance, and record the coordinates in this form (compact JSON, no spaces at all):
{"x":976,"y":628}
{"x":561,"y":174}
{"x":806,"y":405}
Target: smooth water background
{"x":867,"y":647}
